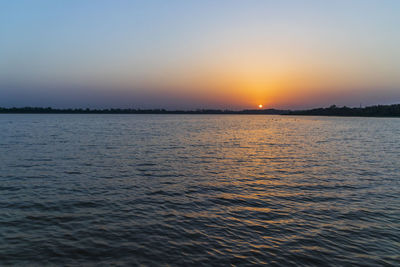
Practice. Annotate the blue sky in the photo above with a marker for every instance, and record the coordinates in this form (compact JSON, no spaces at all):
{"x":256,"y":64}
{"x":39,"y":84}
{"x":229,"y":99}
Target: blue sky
{"x":199,"y":54}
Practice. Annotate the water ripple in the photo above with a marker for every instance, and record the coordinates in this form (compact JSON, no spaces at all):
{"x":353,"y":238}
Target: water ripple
{"x":199,"y":190}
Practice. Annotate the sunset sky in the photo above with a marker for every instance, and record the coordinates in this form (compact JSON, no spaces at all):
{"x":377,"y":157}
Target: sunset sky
{"x":199,"y":54}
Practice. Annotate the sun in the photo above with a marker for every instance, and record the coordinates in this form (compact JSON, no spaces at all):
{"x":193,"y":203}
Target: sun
{"x":260,"y":106}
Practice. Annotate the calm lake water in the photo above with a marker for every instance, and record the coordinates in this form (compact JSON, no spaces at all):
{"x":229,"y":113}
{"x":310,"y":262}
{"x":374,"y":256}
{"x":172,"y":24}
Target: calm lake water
{"x":199,"y":189}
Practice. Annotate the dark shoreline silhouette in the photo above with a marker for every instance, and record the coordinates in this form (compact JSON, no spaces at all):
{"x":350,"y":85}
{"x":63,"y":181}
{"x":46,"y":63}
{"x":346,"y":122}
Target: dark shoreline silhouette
{"x":37,"y":110}
{"x":370,"y":111}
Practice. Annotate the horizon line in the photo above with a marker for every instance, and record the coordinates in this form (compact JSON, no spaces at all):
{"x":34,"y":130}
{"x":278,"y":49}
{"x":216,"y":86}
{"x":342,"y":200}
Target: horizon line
{"x":333,"y":110}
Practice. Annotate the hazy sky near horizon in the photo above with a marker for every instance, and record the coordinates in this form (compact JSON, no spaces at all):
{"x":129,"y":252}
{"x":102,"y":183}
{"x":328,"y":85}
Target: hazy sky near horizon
{"x":199,"y":54}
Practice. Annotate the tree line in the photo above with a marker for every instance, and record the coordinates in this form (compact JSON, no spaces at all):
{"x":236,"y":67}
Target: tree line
{"x":133,"y":111}
{"x":371,"y":111}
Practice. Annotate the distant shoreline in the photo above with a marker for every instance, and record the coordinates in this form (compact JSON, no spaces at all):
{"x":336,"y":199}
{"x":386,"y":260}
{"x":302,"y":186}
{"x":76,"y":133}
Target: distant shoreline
{"x":370,"y":111}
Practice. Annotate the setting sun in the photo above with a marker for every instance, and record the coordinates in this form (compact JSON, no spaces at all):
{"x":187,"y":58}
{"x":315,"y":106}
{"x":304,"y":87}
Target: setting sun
{"x":260,"y":106}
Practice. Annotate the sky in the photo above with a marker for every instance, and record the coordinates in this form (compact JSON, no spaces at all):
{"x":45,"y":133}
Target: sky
{"x":184,"y":54}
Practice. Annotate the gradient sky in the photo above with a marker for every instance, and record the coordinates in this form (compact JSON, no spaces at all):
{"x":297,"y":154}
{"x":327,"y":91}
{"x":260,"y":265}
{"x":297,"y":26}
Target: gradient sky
{"x":199,"y":54}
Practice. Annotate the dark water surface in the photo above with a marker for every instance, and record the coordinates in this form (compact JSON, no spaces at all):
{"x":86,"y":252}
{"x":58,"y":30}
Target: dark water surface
{"x":198,"y":189}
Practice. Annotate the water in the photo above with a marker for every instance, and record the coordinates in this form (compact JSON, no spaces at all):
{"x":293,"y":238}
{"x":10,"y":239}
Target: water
{"x":199,"y":189}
